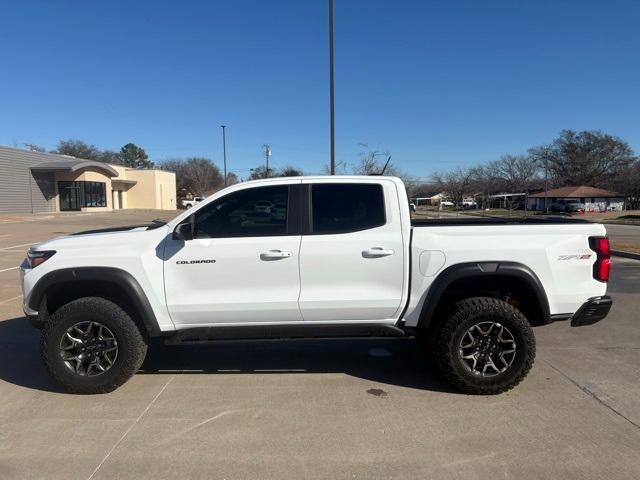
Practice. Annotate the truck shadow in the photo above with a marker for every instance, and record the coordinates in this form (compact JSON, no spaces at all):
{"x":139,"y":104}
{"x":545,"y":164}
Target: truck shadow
{"x":384,"y":361}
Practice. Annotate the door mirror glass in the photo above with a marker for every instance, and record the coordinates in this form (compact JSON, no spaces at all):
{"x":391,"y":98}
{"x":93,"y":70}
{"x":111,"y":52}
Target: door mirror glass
{"x":184,"y":231}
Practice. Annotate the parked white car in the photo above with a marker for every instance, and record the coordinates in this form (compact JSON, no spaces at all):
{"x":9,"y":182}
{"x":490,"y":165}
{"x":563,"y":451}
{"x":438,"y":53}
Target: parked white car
{"x":346,"y":260}
{"x":192,"y":202}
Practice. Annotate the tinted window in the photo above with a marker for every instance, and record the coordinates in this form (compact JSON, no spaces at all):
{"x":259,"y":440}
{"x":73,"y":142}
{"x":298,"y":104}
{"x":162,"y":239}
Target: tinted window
{"x":74,"y":195}
{"x":253,"y":212}
{"x":344,"y":207}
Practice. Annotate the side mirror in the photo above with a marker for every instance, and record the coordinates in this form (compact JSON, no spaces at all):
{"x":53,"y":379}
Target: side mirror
{"x":183,"y":232}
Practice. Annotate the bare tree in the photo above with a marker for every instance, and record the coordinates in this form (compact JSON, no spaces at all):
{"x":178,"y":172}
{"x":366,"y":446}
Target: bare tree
{"x":232,"y":178}
{"x":513,"y":173}
{"x":378,"y":162}
{"x":109,"y":156}
{"x":584,"y":158}
{"x":290,"y":171}
{"x":178,"y":166}
{"x":78,"y":149}
{"x":261,"y":172}
{"x":203,"y":176}
{"x":341,"y":168}
{"x":455,"y":183}
{"x":197,"y":176}
{"x":372,"y":162}
{"x":35,"y":148}
{"x":486,"y":180}
{"x":628,"y":184}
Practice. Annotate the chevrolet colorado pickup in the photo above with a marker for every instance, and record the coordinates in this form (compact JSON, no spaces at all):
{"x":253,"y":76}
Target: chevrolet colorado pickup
{"x":340,"y":257}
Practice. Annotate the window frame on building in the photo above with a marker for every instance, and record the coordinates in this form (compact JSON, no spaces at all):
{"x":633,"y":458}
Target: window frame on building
{"x":88,"y":194}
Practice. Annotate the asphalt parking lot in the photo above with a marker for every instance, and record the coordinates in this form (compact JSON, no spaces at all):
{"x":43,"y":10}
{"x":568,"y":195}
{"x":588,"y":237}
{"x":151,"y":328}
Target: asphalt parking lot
{"x":319,"y":409}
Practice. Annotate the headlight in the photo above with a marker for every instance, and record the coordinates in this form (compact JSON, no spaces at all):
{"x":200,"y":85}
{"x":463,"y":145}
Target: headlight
{"x":35,"y":258}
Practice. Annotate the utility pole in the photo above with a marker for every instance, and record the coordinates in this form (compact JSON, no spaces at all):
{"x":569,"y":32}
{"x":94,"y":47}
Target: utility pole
{"x":546,"y":184}
{"x":267,"y":154}
{"x":224,"y":152}
{"x":331,"y":96}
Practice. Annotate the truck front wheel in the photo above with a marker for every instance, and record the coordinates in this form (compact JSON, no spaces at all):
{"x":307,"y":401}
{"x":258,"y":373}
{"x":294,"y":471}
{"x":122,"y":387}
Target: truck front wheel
{"x":91,"y":345}
{"x":486,"y":346}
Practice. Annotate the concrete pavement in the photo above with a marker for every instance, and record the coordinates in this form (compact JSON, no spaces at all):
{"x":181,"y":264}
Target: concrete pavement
{"x":322,"y":409}
{"x":624,"y":233}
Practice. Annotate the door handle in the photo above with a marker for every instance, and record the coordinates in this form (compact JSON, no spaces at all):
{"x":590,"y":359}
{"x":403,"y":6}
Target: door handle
{"x":376,"y":252}
{"x":275,"y":255}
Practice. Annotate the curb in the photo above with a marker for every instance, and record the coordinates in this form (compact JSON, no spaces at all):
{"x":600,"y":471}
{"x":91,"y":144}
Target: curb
{"x":619,"y":253}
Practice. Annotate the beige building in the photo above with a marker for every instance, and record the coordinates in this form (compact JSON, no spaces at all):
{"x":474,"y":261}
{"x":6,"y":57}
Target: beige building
{"x":42,"y":182}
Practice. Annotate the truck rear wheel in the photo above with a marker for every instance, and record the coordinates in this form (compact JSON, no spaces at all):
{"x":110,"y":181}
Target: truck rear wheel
{"x":486,"y":346}
{"x":91,"y":345}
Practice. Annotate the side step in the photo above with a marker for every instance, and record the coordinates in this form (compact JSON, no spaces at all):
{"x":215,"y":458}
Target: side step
{"x":273,"y":332}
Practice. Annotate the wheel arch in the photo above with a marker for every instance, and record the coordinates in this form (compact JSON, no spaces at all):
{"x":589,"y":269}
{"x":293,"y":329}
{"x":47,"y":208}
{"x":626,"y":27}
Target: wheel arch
{"x":59,"y":287}
{"x":496,"y":279}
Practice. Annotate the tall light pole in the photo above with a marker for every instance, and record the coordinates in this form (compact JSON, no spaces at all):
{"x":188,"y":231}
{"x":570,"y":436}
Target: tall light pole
{"x":331,"y":97}
{"x":224,"y":152}
{"x":267,"y":154}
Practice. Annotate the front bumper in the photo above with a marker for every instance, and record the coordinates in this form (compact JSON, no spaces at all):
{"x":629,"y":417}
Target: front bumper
{"x":30,"y":313}
{"x":592,"y":311}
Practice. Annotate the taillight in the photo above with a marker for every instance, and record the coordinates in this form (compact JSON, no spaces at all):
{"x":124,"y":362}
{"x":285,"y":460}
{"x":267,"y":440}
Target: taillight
{"x":602,"y":267}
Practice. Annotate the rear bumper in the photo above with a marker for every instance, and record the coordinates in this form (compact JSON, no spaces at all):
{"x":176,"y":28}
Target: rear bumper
{"x":592,"y":311}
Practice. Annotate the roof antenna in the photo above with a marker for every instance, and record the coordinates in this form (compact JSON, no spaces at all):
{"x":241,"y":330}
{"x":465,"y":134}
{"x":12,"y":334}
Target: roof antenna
{"x":385,"y":165}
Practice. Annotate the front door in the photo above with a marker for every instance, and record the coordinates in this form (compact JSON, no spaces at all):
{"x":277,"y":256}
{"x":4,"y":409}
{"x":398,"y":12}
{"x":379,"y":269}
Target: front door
{"x":352,"y":260}
{"x":241,"y":266}
{"x":69,"y":193}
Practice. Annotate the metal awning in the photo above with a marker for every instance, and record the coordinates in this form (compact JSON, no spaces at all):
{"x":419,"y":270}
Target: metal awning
{"x":123,"y":181}
{"x":74,"y":166}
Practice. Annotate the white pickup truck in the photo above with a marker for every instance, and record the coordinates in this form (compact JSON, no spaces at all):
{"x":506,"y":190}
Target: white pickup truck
{"x":191,"y":203}
{"x":339,"y":257}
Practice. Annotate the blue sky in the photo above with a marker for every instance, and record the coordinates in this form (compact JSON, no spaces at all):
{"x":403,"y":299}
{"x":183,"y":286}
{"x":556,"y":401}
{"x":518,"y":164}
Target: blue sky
{"x":437,"y":83}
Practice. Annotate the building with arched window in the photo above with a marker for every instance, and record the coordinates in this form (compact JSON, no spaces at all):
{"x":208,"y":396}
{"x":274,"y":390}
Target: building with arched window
{"x":37,"y":182}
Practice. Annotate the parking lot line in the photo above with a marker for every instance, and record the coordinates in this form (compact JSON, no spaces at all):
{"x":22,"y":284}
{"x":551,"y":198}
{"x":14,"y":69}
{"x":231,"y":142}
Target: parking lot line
{"x":16,"y":246}
{"x":10,"y":299}
{"x":7,"y":269}
{"x":130,"y":428}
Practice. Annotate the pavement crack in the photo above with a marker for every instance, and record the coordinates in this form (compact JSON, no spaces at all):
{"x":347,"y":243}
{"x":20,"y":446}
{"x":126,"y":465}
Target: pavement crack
{"x":592,"y":395}
{"x":130,"y":428}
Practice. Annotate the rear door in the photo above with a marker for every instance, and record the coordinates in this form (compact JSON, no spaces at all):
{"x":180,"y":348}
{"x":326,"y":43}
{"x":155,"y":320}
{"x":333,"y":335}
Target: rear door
{"x":351,"y":255}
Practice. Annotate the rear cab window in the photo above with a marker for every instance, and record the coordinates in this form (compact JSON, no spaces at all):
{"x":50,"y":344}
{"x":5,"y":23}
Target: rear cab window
{"x":346,"y":207}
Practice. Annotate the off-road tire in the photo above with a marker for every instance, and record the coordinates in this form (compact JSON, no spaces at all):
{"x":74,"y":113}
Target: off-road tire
{"x":132,"y":347}
{"x":449,"y":333}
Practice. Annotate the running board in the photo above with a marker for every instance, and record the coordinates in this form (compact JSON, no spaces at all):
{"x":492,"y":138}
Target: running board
{"x":201,"y":335}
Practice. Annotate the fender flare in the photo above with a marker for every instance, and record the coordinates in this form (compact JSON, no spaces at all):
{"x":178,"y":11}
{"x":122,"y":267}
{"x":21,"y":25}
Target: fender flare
{"x":121,"y":278}
{"x":481,"y":270}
